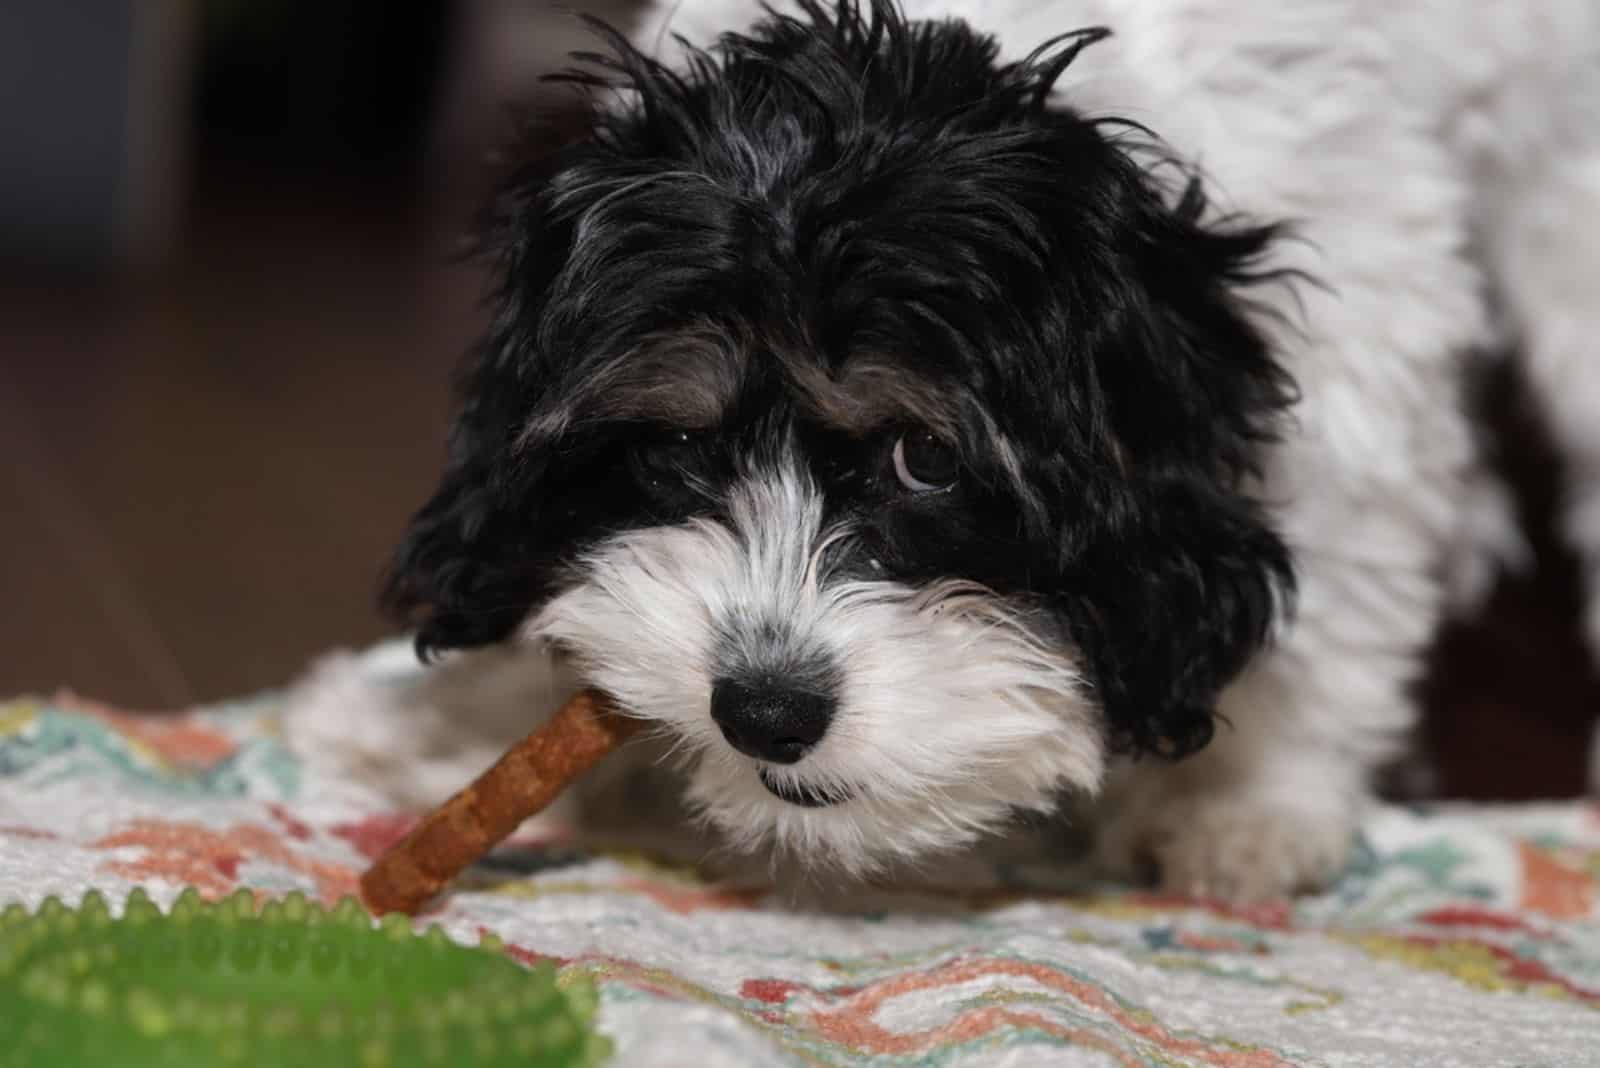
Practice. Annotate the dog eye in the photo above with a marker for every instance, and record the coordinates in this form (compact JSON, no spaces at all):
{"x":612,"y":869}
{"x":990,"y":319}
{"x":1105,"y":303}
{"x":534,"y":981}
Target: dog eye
{"x":924,"y":464}
{"x":665,"y":457}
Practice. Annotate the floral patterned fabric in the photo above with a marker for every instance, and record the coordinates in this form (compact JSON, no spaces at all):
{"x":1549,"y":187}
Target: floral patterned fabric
{"x":1459,"y":936}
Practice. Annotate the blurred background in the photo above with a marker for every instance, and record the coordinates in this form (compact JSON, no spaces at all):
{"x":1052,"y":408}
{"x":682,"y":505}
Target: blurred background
{"x":230,"y":307}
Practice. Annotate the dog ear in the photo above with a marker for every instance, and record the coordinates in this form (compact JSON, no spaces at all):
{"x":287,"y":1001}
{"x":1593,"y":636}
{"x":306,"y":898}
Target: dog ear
{"x":1180,"y":575}
{"x":1169,"y":599}
{"x":464,"y":572}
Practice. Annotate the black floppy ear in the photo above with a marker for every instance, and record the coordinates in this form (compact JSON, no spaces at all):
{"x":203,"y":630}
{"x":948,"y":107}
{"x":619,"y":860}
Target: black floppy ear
{"x":464,"y":573}
{"x":1181,"y":574}
{"x":1175,"y":595}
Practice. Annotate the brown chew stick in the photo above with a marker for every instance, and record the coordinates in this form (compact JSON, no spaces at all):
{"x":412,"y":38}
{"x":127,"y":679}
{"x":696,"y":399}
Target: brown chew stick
{"x":471,"y":823}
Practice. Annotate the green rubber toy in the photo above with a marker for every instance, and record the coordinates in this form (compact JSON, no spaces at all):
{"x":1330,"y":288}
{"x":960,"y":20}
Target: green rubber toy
{"x":290,"y":986}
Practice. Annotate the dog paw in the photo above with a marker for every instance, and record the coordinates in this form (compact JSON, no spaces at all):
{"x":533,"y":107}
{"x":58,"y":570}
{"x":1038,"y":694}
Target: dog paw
{"x":1237,"y":849}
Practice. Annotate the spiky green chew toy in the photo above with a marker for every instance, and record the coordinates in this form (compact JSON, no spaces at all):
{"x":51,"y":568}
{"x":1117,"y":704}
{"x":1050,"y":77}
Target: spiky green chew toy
{"x":292,"y":984}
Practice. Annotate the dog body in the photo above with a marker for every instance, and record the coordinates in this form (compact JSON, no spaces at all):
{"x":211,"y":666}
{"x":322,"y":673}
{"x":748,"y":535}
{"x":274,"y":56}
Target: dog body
{"x":916,"y":441}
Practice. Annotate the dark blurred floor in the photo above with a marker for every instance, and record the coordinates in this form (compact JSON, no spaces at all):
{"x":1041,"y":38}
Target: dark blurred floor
{"x":205,"y":471}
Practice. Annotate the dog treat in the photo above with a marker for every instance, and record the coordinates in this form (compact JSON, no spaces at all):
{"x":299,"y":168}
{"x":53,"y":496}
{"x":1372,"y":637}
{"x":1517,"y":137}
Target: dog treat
{"x":471,"y":823}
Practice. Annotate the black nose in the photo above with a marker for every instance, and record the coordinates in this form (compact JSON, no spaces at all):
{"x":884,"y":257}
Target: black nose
{"x":769,"y":721}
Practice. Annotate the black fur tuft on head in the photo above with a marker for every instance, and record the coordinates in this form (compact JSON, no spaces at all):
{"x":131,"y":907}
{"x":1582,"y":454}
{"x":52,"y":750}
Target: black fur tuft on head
{"x":831,"y":230}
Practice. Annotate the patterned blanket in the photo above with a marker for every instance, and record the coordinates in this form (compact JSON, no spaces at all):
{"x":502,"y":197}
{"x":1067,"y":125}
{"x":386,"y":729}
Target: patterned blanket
{"x":1459,"y":936}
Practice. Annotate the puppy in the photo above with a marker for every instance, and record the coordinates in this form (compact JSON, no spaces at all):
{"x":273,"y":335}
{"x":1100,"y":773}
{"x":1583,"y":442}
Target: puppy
{"x":922,"y":421}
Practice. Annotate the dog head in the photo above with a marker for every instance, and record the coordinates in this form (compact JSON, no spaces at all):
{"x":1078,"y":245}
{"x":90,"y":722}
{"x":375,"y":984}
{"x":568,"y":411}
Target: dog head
{"x":873,"y":423}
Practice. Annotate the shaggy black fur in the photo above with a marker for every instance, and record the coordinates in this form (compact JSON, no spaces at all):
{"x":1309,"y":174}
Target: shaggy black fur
{"x":849,"y":192}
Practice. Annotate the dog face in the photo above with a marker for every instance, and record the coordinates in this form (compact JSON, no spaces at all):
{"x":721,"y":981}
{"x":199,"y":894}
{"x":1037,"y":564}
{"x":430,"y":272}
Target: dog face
{"x":871,"y":424}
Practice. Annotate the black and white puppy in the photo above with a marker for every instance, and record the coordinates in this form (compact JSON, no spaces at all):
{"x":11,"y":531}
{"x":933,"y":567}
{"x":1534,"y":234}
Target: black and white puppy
{"x":891,"y":418}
